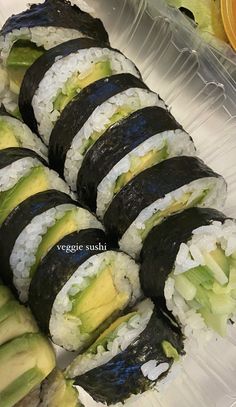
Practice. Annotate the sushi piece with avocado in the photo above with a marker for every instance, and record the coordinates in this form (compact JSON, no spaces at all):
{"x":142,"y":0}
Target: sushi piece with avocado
{"x":58,"y":391}
{"x":24,"y":363}
{"x":80,"y":287}
{"x":132,"y":356}
{"x":15,"y":319}
{"x":23,"y":174}
{"x":142,"y":140}
{"x":190,"y":261}
{"x":103,"y":103}
{"x":14,"y":133}
{"x":33,"y":228}
{"x":27,"y":35}
{"x":164,"y":189}
{"x":82,"y":61}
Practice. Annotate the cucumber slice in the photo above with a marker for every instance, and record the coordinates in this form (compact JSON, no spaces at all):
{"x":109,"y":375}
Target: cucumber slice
{"x":185,"y":287}
{"x":232,"y":278}
{"x":218,"y":289}
{"x":215,"y":268}
{"x":200,"y":276}
{"x":222,"y":304}
{"x":217,"y":322}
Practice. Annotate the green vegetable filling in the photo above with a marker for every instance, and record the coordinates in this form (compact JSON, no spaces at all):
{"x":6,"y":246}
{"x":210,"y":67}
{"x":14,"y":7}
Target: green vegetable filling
{"x":98,"y":302}
{"x":211,"y":289}
{"x":23,"y":54}
{"x":183,"y":203}
{"x":110,"y":333}
{"x":121,"y":113}
{"x":7,"y":136}
{"x":139,"y":164}
{"x":79,"y":81}
{"x":170,"y":351}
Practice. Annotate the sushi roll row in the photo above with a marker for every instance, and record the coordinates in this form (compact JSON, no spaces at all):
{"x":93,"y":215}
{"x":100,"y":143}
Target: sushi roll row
{"x":115,"y":143}
{"x":25,"y":37}
{"x":26,"y":356}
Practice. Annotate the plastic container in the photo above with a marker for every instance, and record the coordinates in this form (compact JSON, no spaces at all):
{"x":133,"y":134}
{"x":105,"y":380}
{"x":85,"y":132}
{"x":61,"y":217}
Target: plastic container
{"x":202,"y":95}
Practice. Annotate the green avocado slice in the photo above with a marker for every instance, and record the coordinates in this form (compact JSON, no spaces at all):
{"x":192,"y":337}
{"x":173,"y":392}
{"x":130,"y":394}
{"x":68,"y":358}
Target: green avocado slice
{"x":110,"y":333}
{"x":76,"y":83}
{"x":24,"y":363}
{"x":139,"y":164}
{"x":23,"y":54}
{"x":5,"y":296}
{"x":15,"y":320}
{"x":63,"y":227}
{"x":32,"y":183}
{"x":60,"y":392}
{"x":98,"y":301}
{"x":7,"y":136}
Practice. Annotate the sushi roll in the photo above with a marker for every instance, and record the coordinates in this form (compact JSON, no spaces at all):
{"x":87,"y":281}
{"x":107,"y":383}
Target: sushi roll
{"x":131,"y":356}
{"x":97,"y":107}
{"x":147,"y":137}
{"x":26,"y":357}
{"x":14,"y":133}
{"x":26,"y":36}
{"x":59,"y":75}
{"x":23,"y":174}
{"x":24,"y":363}
{"x":190,"y":260}
{"x":58,"y":391}
{"x":80,"y":286}
{"x":158,"y":192}
{"x":32,"y":228}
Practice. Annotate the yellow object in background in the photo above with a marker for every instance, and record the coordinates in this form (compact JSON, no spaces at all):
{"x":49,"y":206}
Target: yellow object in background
{"x":228,"y":11}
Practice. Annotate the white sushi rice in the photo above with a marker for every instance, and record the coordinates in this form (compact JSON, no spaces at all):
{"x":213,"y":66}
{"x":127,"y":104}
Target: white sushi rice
{"x":131,"y":241}
{"x":47,"y":37}
{"x":178,"y":143}
{"x":66,"y":331}
{"x":63,"y":69}
{"x":25,"y":137}
{"x":99,"y":121}
{"x":23,"y":254}
{"x":11,"y":174}
{"x":204,"y":239}
{"x":122,"y":337}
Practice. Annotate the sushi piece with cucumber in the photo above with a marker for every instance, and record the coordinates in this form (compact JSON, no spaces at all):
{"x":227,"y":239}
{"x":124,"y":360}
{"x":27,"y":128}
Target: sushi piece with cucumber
{"x":26,"y":357}
{"x":97,"y":107}
{"x":142,"y":140}
{"x":27,"y":35}
{"x":58,"y":391}
{"x":190,"y":260}
{"x":80,"y":287}
{"x":60,"y":74}
{"x":23,"y":173}
{"x":32,"y":228}
{"x":14,"y":133}
{"x":133,"y":355}
{"x":164,"y":189}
